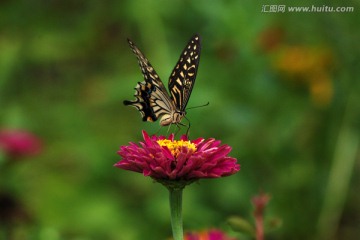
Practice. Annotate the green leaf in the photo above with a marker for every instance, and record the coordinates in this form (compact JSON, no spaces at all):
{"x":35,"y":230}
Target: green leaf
{"x":239,"y":224}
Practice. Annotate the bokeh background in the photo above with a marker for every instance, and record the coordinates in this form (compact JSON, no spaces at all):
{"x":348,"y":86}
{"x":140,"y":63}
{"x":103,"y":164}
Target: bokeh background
{"x":283,"y":88}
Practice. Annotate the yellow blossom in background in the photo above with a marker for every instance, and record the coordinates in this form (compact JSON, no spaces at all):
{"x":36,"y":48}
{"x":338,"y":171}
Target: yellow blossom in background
{"x":310,"y":66}
{"x":321,"y":89}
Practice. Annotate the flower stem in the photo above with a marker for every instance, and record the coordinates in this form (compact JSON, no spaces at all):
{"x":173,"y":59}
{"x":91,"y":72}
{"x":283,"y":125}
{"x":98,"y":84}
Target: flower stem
{"x":259,"y":223}
{"x":176,"y":212}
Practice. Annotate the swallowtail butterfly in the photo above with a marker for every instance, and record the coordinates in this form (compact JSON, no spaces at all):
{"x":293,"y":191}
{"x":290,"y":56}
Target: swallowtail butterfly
{"x":152,"y":99}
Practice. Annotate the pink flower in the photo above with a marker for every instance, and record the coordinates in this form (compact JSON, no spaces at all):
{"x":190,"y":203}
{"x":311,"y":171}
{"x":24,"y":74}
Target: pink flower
{"x":16,"y":143}
{"x":168,"y":159}
{"x":212,"y":234}
{"x":260,"y":201}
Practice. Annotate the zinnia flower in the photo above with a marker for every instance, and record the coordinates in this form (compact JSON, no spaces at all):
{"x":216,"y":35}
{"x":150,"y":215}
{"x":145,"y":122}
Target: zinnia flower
{"x":177,"y":163}
{"x":178,"y":160}
{"x":17,"y":143}
{"x":212,"y":234}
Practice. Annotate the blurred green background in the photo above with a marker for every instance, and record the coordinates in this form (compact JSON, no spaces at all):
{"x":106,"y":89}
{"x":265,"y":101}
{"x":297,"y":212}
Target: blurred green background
{"x":283,"y":91}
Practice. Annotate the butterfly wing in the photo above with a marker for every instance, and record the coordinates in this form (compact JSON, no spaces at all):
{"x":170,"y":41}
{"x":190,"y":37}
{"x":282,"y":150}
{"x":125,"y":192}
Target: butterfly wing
{"x":152,"y":100}
{"x":182,"y":78}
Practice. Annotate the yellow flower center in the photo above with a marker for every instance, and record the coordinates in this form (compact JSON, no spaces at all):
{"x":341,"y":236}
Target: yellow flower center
{"x":175,"y":146}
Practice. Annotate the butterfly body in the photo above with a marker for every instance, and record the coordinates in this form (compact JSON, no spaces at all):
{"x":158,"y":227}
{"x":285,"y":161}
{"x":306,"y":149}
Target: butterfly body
{"x":172,"y":118}
{"x":152,"y":99}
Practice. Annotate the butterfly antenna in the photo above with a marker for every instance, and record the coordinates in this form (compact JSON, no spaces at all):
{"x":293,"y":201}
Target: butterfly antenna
{"x":206,"y":104}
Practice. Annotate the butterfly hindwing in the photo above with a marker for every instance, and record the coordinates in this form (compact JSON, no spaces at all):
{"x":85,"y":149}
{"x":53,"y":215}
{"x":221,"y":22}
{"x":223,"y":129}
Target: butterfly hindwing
{"x":182,"y":78}
{"x":142,"y":102}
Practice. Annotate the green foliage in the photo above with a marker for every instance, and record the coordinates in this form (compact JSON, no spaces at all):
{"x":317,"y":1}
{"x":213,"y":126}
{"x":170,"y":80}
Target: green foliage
{"x":283,"y":92}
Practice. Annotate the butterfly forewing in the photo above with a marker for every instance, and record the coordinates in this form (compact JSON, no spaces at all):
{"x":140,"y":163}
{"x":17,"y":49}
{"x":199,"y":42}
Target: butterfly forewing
{"x":182,"y":78}
{"x":152,"y":100}
{"x":147,"y":70}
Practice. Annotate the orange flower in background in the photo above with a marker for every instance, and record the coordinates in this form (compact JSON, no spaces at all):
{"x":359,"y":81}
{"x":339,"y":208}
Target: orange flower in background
{"x":302,"y":60}
{"x":321,"y":89}
{"x":310,"y":66}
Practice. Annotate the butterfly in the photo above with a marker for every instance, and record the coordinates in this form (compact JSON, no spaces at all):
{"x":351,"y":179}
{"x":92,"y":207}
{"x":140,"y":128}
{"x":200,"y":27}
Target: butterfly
{"x":152,"y":99}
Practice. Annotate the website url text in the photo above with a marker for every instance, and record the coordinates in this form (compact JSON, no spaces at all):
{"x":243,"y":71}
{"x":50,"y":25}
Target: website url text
{"x":313,"y":8}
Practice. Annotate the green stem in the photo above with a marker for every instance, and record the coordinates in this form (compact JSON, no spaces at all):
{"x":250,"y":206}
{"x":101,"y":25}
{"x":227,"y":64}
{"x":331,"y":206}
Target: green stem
{"x":176,"y":212}
{"x":339,"y":180}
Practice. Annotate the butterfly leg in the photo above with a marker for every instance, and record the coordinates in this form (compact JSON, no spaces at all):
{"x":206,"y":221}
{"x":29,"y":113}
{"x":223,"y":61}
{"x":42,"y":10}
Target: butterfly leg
{"x":178,"y":128}
{"x":188,"y":126}
{"x":168,"y":130}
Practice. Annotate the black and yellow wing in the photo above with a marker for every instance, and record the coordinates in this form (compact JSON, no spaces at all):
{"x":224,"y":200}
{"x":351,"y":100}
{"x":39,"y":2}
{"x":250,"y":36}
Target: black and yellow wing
{"x":152,"y":100}
{"x":182,"y":78}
